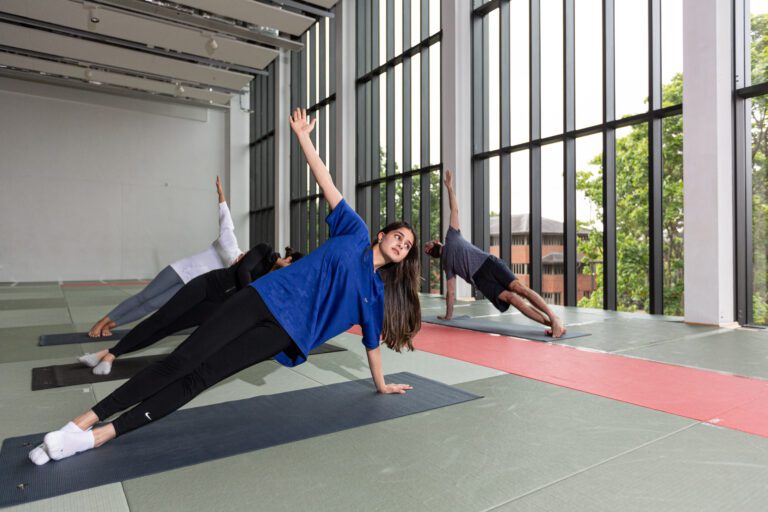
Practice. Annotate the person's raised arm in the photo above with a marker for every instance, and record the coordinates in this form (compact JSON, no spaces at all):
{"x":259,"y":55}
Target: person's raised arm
{"x":452,"y":199}
{"x":450,"y":298}
{"x":220,"y":191}
{"x":225,"y":217}
{"x":374,"y":362}
{"x":302,"y":127}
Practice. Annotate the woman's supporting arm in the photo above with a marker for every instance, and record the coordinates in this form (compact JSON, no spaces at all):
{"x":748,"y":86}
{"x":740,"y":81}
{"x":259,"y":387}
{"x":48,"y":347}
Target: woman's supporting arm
{"x":374,"y":362}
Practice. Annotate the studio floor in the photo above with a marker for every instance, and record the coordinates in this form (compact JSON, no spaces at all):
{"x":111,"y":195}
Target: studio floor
{"x":526,"y":445}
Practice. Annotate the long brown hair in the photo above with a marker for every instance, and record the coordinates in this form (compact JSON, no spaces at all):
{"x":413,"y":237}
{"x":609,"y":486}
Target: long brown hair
{"x":402,"y":308}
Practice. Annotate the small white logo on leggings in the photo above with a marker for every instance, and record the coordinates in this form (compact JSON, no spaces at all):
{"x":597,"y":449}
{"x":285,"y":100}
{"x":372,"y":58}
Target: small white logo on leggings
{"x":147,"y":415}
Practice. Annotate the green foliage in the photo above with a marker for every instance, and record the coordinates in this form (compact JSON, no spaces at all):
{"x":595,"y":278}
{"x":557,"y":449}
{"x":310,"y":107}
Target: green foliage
{"x":434,"y":210}
{"x":632,"y":216}
{"x":759,"y":50}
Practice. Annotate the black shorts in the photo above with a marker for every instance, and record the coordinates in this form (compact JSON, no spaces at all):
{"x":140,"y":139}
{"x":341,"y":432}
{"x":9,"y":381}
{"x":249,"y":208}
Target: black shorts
{"x":492,"y":278}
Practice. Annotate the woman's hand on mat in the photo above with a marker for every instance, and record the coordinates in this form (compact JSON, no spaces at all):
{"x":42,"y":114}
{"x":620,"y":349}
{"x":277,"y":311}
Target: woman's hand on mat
{"x":300,"y":124}
{"x":390,"y":389}
{"x":444,"y":317}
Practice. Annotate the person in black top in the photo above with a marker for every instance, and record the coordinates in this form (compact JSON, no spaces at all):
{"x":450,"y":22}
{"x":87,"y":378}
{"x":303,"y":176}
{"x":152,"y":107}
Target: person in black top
{"x":193,"y":304}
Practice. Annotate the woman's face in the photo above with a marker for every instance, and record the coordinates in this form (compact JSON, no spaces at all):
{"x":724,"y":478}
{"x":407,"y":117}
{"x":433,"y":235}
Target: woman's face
{"x":396,"y":244}
{"x":284,"y":262}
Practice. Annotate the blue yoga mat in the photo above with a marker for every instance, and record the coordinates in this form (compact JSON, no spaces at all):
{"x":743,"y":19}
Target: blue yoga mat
{"x":216,"y":431}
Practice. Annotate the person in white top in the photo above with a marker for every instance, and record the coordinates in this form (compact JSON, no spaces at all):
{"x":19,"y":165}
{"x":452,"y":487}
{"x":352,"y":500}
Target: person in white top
{"x":223,"y":252}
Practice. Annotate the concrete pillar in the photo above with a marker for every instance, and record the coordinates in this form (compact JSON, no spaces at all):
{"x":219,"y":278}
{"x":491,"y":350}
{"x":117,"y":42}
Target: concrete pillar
{"x":456,"y":105}
{"x":282,"y":151}
{"x":345,"y":100}
{"x":236,"y":178}
{"x":708,"y":162}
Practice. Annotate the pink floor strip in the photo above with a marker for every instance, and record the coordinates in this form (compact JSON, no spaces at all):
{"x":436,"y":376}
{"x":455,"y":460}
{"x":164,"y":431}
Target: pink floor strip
{"x":730,"y":401}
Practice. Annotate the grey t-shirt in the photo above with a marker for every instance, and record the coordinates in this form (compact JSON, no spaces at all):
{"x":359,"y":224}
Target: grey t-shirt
{"x":460,"y":257}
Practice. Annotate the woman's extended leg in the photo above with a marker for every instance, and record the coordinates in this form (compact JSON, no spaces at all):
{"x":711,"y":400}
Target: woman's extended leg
{"x":165,"y":284}
{"x":187,"y":308}
{"x":262,"y":341}
{"x":236,"y":316}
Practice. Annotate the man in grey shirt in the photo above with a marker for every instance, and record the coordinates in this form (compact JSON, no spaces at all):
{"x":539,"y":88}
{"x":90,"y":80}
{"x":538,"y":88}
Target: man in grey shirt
{"x":487,"y":273}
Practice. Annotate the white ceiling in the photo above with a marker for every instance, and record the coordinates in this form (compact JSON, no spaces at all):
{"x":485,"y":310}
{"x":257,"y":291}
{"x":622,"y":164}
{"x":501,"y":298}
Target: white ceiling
{"x":198,"y":51}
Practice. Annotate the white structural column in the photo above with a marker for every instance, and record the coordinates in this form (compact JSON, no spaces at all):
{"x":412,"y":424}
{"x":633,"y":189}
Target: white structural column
{"x":456,"y":105}
{"x":708,"y":162}
{"x":345,"y":100}
{"x":282,"y":150}
{"x":237,"y":177}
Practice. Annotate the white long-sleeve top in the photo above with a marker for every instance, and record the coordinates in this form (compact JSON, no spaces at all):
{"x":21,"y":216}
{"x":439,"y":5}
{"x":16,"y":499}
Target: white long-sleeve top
{"x":221,"y":253}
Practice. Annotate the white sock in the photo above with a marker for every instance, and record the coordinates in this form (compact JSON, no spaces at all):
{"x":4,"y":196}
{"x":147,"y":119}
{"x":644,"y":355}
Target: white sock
{"x":103,"y":368}
{"x":39,"y":456}
{"x":60,"y":444}
{"x":89,"y":360}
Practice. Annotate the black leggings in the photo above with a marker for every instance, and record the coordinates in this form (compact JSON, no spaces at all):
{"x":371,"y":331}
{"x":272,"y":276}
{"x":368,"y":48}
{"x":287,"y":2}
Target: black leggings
{"x":241,"y":333}
{"x":191,"y":306}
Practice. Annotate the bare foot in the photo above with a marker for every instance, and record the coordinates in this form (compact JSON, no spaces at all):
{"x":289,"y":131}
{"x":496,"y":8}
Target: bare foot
{"x":557,"y":329}
{"x":95,"y":331}
{"x":106,"y":329}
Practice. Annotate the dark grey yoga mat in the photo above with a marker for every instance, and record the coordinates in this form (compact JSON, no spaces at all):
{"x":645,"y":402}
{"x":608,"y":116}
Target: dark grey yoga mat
{"x":212,"y":432}
{"x":61,"y":375}
{"x":69,"y":338}
{"x":507,"y":329}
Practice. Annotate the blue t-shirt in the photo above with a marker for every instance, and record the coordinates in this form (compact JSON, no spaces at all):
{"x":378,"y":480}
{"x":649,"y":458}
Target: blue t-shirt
{"x":329,"y":290}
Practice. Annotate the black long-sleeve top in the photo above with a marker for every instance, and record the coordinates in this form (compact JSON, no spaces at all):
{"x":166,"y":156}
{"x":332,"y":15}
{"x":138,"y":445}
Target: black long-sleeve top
{"x":256,"y":262}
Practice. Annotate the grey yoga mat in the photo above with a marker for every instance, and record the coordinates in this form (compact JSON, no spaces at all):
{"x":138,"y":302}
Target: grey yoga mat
{"x":47,"y":377}
{"x":507,"y":329}
{"x":69,"y":338}
{"x":198,"y":436}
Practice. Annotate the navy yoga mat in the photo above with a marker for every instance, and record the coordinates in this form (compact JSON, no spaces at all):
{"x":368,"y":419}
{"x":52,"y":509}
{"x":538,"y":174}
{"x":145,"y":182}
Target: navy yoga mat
{"x":197,"y":434}
{"x":47,"y":377}
{"x":525,"y":332}
{"x":69,"y":338}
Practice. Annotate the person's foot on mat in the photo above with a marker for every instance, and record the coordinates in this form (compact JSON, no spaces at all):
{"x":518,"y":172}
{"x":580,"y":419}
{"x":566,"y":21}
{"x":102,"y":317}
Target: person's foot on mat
{"x":95,"y":331}
{"x":91,"y":360}
{"x":106,"y":331}
{"x":557,"y":329}
{"x":40,"y":456}
{"x":103,"y":368}
{"x":60,"y":444}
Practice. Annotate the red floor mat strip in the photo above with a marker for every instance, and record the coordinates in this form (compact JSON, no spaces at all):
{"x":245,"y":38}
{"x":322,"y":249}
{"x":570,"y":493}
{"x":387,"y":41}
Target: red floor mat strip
{"x":726,"y":400}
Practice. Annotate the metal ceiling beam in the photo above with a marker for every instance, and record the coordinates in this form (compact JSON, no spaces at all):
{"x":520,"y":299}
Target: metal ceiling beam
{"x":256,"y":13}
{"x":119,"y":58}
{"x":182,"y":16}
{"x":327,"y":4}
{"x":302,"y":7}
{"x":108,"y":89}
{"x":110,"y":22}
{"x":98,"y":77}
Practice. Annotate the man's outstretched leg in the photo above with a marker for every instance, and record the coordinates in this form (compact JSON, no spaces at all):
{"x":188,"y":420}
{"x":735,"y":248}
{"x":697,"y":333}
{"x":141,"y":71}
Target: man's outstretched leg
{"x":535,"y":308}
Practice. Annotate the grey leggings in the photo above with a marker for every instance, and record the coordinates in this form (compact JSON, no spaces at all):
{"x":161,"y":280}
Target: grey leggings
{"x":150,"y":299}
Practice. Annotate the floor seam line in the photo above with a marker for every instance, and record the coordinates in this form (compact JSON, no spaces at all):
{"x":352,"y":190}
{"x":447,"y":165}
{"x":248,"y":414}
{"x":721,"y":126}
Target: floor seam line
{"x":593,"y":466}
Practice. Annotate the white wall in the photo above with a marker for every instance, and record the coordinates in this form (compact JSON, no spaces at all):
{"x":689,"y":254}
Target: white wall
{"x":96,"y":186}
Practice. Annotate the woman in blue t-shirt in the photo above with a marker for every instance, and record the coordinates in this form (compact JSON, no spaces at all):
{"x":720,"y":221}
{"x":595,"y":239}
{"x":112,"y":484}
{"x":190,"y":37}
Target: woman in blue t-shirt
{"x":344,"y":282}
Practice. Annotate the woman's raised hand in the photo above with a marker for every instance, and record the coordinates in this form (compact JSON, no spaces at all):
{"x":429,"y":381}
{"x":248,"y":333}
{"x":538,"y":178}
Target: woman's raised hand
{"x":300,"y":123}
